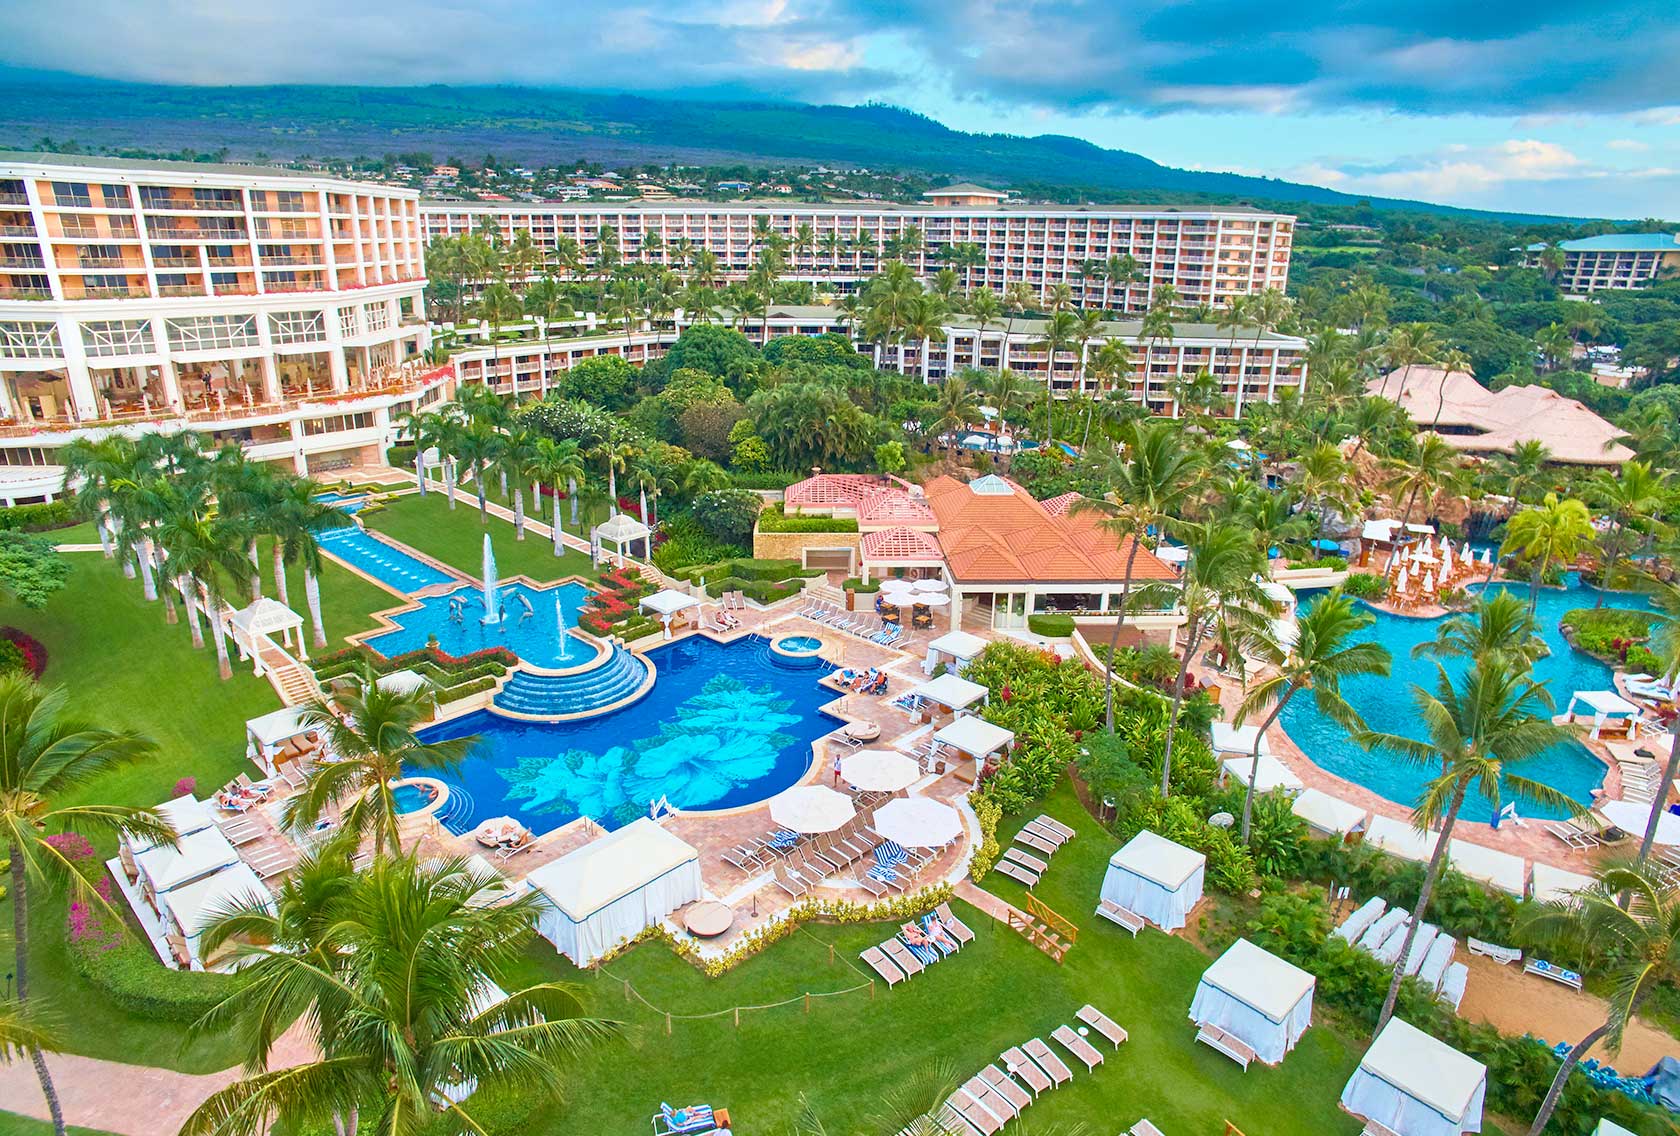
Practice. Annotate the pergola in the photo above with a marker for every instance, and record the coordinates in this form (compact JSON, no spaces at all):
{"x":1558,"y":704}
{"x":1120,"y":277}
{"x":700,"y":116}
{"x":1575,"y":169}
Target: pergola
{"x":952,"y":691}
{"x":976,"y":737}
{"x":261,"y":620}
{"x":667,"y":603}
{"x":886,"y":550}
{"x":623,"y":529}
{"x":955,"y":648}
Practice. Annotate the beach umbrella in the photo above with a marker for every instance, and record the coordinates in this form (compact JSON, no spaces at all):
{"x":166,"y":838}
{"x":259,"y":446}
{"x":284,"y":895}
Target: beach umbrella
{"x":918,"y":822}
{"x":879,"y":770}
{"x":811,"y":808}
{"x":930,"y":585}
{"x":1429,"y":581}
{"x":1632,"y":817}
{"x":1404,"y":581}
{"x":932,"y":600}
{"x":1446,"y":560}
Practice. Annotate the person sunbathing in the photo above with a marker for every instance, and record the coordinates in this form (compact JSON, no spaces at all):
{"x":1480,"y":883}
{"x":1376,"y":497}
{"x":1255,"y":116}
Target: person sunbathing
{"x":937,"y":931}
{"x":231,"y":803}
{"x":915,"y":936}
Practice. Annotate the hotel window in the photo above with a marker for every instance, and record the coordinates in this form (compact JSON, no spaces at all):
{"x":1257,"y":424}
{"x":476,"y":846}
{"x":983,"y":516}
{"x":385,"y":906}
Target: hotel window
{"x":376,"y":316}
{"x":336,"y":423}
{"x":206,"y":333}
{"x":29,"y":339}
{"x":297,"y":327}
{"x":347,"y":322}
{"x":104,"y":338}
{"x":27,"y":455}
{"x":71,"y":194}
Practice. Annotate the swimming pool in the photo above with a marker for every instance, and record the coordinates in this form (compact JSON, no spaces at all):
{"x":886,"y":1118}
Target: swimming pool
{"x":386,"y":563}
{"x":410,"y":797}
{"x":345,"y":502}
{"x":726,"y":724}
{"x":1386,"y":705}
{"x":534,"y":637}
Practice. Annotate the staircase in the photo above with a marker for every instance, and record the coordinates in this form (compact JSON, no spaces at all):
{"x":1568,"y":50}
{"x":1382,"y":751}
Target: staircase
{"x":1044,"y":929}
{"x":528,"y":695}
{"x":294,"y":682}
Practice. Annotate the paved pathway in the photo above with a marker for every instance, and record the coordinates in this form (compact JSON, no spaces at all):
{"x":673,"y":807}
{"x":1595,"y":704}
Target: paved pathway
{"x":130,"y":1100}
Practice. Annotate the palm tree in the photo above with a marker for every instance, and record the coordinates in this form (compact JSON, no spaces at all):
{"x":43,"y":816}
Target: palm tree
{"x":1501,"y":624}
{"x":1492,"y":720}
{"x":1553,"y":531}
{"x":1119,"y":272}
{"x":1005,"y":390}
{"x":914,"y":1107}
{"x":477,"y":445}
{"x":1220,"y":586}
{"x":374,"y":732}
{"x":1147,"y":484}
{"x":498,"y":305}
{"x":423,"y":429}
{"x":1324,"y":653}
{"x":1406,"y":346}
{"x":1435,"y":466}
{"x":1111,"y":366}
{"x":304,"y":517}
{"x":205,"y":556}
{"x":514,"y":459}
{"x":955,"y":406}
{"x":1454,"y":362}
{"x":549,"y":301}
{"x":1633,"y":493}
{"x":558,"y":463}
{"x":393,"y":970}
{"x":1631,"y":919}
{"x":615,"y":454}
{"x":985,"y":308}
{"x":1061,"y":332}
{"x":1523,"y":469}
{"x":45,"y":756}
{"x":1556,"y":344}
{"x":1665,"y":637}
{"x":92,"y":468}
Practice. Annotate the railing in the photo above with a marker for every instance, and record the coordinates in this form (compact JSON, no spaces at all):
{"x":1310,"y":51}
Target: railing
{"x":17,"y":230}
{"x":188,"y":205}
{"x":176,"y":261}
{"x":25,"y":294}
{"x":11,"y":197}
{"x":171,"y":234}
{"x":22,"y":262}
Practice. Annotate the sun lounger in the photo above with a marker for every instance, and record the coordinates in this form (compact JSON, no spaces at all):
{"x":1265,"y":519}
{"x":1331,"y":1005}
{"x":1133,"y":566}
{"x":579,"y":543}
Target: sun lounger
{"x":1045,"y":833}
{"x":1378,"y":932}
{"x":901,"y":955}
{"x":1421,"y":942}
{"x":883,"y":966}
{"x":1102,"y":1023}
{"x":1047,"y":1060}
{"x":926,"y":953}
{"x":1032,"y":863}
{"x":1016,"y":872}
{"x":1143,"y":1128}
{"x":273,"y":865}
{"x":1077,"y":1046}
{"x":1120,"y":916}
{"x":872,"y":885}
{"x":1004,"y":1086}
{"x":1497,"y":953}
{"x":242,"y":831}
{"x":696,"y":1119}
{"x":1036,"y":843}
{"x":1023,"y":1067}
{"x":950,"y":1122}
{"x":1452,"y":985}
{"x":990,"y":1099}
{"x":1554,"y":972}
{"x":1434,"y":967}
{"x":790,"y":883}
{"x":1229,"y":1044}
{"x":1573,"y":837}
{"x":1045,"y":820}
{"x":959,"y":930}
{"x":1357,"y":923}
{"x":1388,"y":952}
{"x":974,"y":1113}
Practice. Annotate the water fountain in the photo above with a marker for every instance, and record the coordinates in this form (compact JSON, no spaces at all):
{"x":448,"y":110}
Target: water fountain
{"x":560,"y":625}
{"x":491,"y":613}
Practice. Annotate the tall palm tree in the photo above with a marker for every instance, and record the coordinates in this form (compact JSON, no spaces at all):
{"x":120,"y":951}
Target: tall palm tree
{"x":614,"y":453}
{"x":1434,"y":467}
{"x":394,"y":972}
{"x":1324,"y":653}
{"x":955,"y":406}
{"x":498,"y":306}
{"x":1665,"y":638}
{"x":1501,"y":624}
{"x":1631,"y":494}
{"x":1553,"y":531}
{"x":1219,"y":590}
{"x":1005,"y":390}
{"x":514,"y":459}
{"x":206,"y":557}
{"x":1631,"y":919}
{"x":477,"y":445}
{"x":985,"y":308}
{"x":1061,"y":332}
{"x":1454,"y":362}
{"x":1407,"y":346}
{"x":1480,"y":728}
{"x":374,"y":731}
{"x":45,"y":756}
{"x":1523,"y":469}
{"x":557,"y":464}
{"x":1147,"y":483}
{"x":304,"y":517}
{"x":92,"y":469}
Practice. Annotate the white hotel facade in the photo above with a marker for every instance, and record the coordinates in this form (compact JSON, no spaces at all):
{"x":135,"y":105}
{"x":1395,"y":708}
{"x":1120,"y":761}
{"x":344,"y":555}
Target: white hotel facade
{"x":1209,"y":255}
{"x":281,"y":310}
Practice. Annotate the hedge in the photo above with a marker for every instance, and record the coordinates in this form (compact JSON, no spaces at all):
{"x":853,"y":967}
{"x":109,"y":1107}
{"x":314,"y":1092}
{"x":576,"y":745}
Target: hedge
{"x":462,"y":690}
{"x":767,"y":479}
{"x":129,"y":975}
{"x":400,"y":456}
{"x":748,"y":569}
{"x":1056,"y":626}
{"x":429,"y":661}
{"x":762,"y":591}
{"x":856,"y":585}
{"x":774,"y":520}
{"x":42,"y":517}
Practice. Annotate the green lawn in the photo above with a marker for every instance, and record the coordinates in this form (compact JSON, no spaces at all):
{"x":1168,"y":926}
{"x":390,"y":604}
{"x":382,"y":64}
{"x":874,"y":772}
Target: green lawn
{"x":456,"y":538}
{"x":996,"y":992}
{"x":13,"y":1124}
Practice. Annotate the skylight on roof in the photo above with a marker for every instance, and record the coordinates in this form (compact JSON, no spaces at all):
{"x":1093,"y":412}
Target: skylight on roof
{"x":990,"y":486}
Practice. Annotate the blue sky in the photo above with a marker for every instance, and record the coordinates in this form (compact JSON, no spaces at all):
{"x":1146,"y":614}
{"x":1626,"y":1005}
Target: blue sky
{"x":1568,"y":106}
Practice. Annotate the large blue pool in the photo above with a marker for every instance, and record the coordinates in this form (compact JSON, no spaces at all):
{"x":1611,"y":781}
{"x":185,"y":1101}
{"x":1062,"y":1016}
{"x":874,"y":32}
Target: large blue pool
{"x":386,"y":563}
{"x":724,"y":725}
{"x":1386,"y":705}
{"x":533,"y":635}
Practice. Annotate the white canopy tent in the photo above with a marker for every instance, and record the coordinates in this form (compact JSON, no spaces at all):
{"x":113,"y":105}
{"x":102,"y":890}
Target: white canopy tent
{"x":613,"y":888}
{"x":193,"y":907}
{"x":263,"y":733}
{"x":1329,"y":815}
{"x":976,"y":737}
{"x":186,"y":815}
{"x":1550,"y":885}
{"x":1272,"y":774}
{"x":1155,"y":878}
{"x":262,"y":619}
{"x":1381,"y":531}
{"x":955,"y":649}
{"x":1610,"y":1128}
{"x":951,"y":690}
{"x":1256,"y":996}
{"x":1489,"y":865}
{"x":1237,"y":739}
{"x":1605,"y":706}
{"x":191,"y":858}
{"x":622,"y":529}
{"x":666,"y":603}
{"x":1399,"y":838}
{"x":1417,"y":1086}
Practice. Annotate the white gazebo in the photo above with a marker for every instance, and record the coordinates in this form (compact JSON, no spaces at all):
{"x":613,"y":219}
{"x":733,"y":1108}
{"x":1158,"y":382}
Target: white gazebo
{"x":1257,"y":997}
{"x":613,"y":888}
{"x":169,"y":866}
{"x":1399,"y":838}
{"x":1156,"y":878}
{"x":951,"y":690}
{"x":190,"y":909}
{"x":1330,"y":816}
{"x":623,"y":529}
{"x":666,"y":603}
{"x":265,"y":733}
{"x":1414,"y":1085}
{"x":261,"y":620}
{"x":1606,"y":706}
{"x":954,"y":649}
{"x":1229,"y":739}
{"x":1270,"y":774}
{"x":974,"y":736}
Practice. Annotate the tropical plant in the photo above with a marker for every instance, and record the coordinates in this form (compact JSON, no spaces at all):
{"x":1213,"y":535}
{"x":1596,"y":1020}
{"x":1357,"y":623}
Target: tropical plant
{"x":1434,"y":467}
{"x":556,"y":464}
{"x":1501,"y":624}
{"x":1553,"y":532}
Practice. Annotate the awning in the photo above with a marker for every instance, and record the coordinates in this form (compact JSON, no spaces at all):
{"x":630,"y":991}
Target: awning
{"x":668,"y":602}
{"x":1328,"y":814}
{"x":958,"y":644}
{"x":1381,"y":531}
{"x":1236,"y":739}
{"x":974,"y":736}
{"x":1399,"y":838}
{"x":1272,"y":774}
{"x":1489,"y":865}
{"x":951,"y":690}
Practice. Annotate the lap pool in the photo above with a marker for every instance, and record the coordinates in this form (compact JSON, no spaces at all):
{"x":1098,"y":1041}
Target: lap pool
{"x":726,"y":724}
{"x":1386,"y":705}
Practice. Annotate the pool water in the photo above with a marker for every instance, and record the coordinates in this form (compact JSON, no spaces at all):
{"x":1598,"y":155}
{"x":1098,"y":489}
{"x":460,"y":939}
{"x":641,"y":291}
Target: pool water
{"x":534,"y":637}
{"x":345,"y":502}
{"x":726,"y":724}
{"x":1386,"y":705}
{"x":386,"y":563}
{"x":410,"y":798}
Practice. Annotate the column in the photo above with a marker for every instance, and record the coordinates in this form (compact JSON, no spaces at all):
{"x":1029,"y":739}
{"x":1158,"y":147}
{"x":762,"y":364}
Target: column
{"x":336,"y":349}
{"x":166,"y":369}
{"x":956,"y":607}
{"x":299,"y":462}
{"x":84,"y":400}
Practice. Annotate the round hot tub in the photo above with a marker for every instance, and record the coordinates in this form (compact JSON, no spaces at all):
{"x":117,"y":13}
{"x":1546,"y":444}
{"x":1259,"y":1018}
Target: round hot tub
{"x":797,"y":651}
{"x":419,"y":796}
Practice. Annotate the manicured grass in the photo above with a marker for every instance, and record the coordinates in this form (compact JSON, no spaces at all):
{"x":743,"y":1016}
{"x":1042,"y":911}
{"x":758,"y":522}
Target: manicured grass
{"x":966,"y":1010}
{"x":83,"y":533}
{"x":14,"y":1124}
{"x":456,"y":538}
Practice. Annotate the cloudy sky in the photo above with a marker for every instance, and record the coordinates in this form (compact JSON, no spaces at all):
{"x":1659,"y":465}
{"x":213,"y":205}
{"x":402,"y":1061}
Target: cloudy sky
{"x":1567,"y":106}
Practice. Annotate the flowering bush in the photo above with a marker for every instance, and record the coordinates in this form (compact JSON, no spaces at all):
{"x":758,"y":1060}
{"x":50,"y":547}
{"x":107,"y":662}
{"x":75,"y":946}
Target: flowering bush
{"x":186,"y":787}
{"x":85,"y":921}
{"x":22,"y":651}
{"x":72,"y":846}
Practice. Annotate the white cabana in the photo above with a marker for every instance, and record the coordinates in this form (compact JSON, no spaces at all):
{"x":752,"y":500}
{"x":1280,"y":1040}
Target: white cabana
{"x":1237,"y":739}
{"x":613,"y":888}
{"x":263,"y":619}
{"x":1606,"y":705}
{"x":1399,"y":838}
{"x":1417,"y":1086}
{"x":622,"y":529}
{"x":1329,"y":815}
{"x":666,"y":603}
{"x":1420,"y":530}
{"x":1610,"y":1128}
{"x":263,"y":733}
{"x":951,"y":690}
{"x":918,"y":822}
{"x":1634,"y":816}
{"x":954,"y":648}
{"x":1272,"y":774}
{"x":1263,"y":1000}
{"x":811,"y":808}
{"x":1489,"y":865}
{"x":879,"y":770}
{"x":974,"y":736}
{"x":191,"y":908}
{"x":186,"y":815}
{"x":1379,"y":531}
{"x":191,"y":858}
{"x":1550,"y":885}
{"x":402,"y":682}
{"x":1155,"y":878}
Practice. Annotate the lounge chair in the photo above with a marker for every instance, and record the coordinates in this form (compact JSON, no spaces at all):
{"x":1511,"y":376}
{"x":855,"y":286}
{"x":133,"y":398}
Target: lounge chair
{"x":1143,"y":1128}
{"x":1077,"y":1046}
{"x":272,"y":865}
{"x":990,"y":1099}
{"x":1017,"y":873}
{"x":743,"y":857}
{"x":1571,"y":835}
{"x":1036,"y":843}
{"x":872,"y":885}
{"x":1004,"y":1086}
{"x":1120,"y":916}
{"x":956,"y":926}
{"x":883,"y":966}
{"x":900,"y":954}
{"x":1047,"y":1060}
{"x":242,"y":832}
{"x":1223,"y":1041}
{"x":677,"y":1121}
{"x":1452,"y":985}
{"x":1102,"y":1023}
{"x":1551,"y":970}
{"x":1032,"y":863}
{"x":1049,"y":835}
{"x":1045,"y":820}
{"x":1023,"y":1067}
{"x":974,"y":1113}
{"x":790,"y":883}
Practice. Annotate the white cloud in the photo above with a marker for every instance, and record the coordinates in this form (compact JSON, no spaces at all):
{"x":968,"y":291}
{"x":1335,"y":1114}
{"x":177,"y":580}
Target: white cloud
{"x":1632,"y":145}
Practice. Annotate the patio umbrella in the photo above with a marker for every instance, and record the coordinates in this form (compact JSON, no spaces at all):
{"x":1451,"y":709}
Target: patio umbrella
{"x":1403,"y":581}
{"x":930,"y":585}
{"x":879,"y":770}
{"x":932,"y":600}
{"x":918,"y":822}
{"x":1429,"y":581}
{"x":1446,"y":560}
{"x":1631,"y":816}
{"x":812,"y":808}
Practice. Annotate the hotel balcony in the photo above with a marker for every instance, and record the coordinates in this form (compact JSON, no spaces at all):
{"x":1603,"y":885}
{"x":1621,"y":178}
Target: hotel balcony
{"x":31,"y":262}
{"x":220,"y":236}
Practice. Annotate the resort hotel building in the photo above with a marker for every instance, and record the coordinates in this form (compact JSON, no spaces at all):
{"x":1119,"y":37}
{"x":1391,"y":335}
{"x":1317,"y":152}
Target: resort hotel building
{"x":1208,"y":254}
{"x":279,"y":309}
{"x":1613,"y":260}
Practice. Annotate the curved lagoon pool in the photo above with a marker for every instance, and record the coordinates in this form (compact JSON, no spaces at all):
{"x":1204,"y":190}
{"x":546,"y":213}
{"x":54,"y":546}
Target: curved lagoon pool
{"x":1386,"y":705}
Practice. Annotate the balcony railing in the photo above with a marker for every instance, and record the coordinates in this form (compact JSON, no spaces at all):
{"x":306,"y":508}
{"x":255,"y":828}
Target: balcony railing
{"x":189,"y":205}
{"x":17,"y":230}
{"x":25,"y":293}
{"x":101,"y":292}
{"x":22,"y":262}
{"x":170,"y":234}
{"x":12,"y":197}
{"x":176,"y":261}
{"x":180,"y":289}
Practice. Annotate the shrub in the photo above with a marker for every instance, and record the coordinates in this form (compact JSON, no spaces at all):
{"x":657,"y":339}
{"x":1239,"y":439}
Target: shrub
{"x":775,"y":519}
{"x":11,"y":657}
{"x":72,"y":846}
{"x":727,"y":514}
{"x":1608,"y":632}
{"x":129,"y":975}
{"x":854,"y":584}
{"x":185,"y":787}
{"x":764,"y":479}
{"x":1055,"y":626}
{"x":462,"y":690}
{"x":1364,"y":586}
{"x":40,"y":517}
{"x":686,"y":543}
{"x":402,"y":457}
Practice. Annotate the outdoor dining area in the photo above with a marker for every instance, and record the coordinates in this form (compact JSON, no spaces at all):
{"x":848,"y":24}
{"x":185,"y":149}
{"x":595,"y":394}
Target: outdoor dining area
{"x":1418,"y":571}
{"x":918,"y":598}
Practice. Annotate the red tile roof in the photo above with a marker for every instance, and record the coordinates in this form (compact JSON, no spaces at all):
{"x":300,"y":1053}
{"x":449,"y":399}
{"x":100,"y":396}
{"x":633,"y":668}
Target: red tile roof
{"x":893,"y":506}
{"x":900,"y":544}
